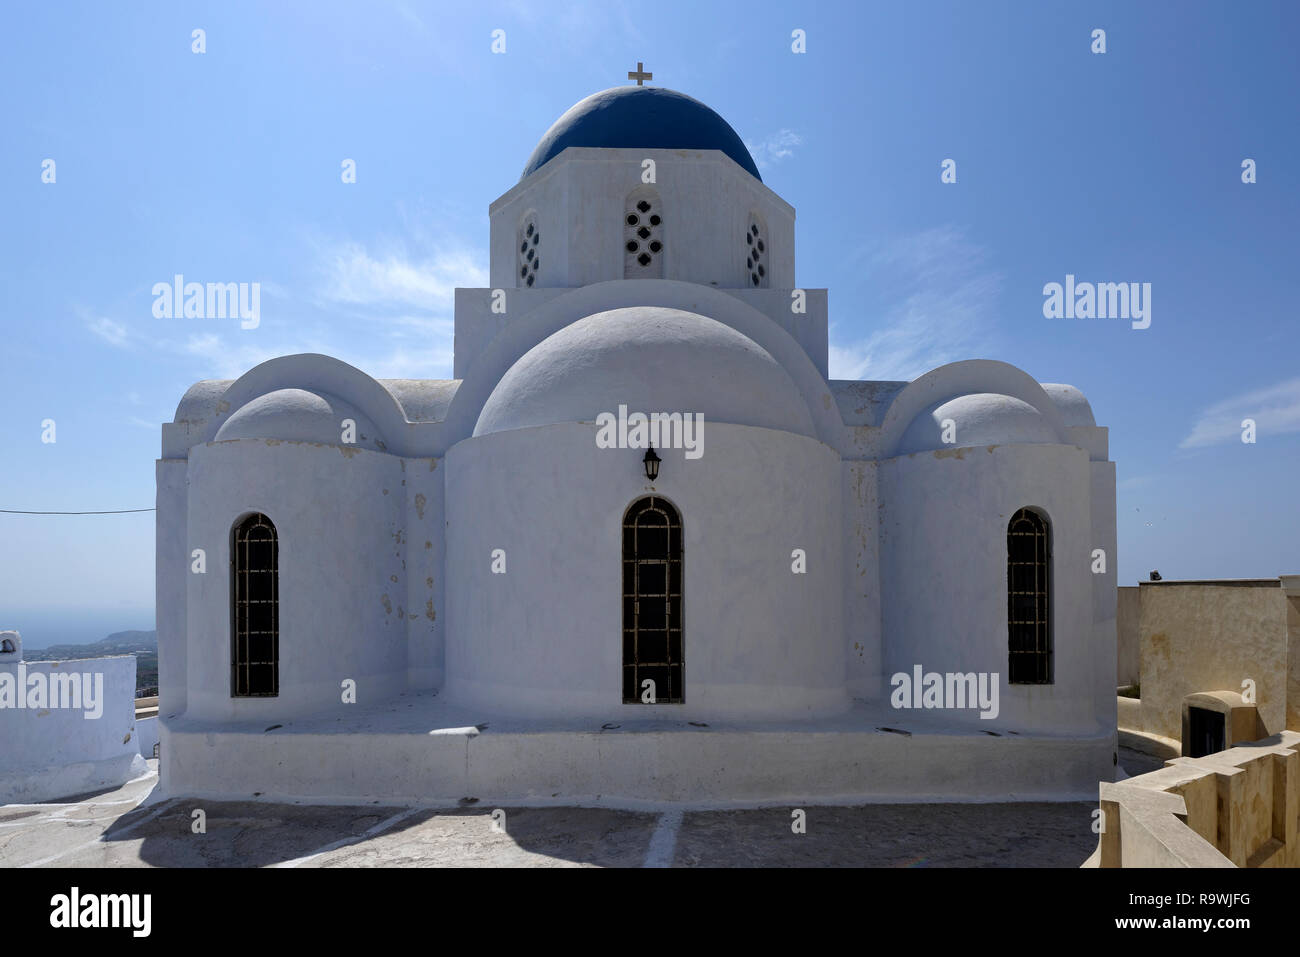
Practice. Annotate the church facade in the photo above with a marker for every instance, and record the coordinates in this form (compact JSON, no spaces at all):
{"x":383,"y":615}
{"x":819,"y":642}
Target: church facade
{"x":489,"y":586}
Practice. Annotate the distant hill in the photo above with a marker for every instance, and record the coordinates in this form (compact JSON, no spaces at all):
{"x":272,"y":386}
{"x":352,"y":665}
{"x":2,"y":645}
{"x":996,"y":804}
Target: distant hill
{"x":118,"y":643}
{"x":142,"y":644}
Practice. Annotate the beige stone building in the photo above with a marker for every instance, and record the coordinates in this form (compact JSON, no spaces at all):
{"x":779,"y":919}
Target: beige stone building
{"x":1214,"y":662}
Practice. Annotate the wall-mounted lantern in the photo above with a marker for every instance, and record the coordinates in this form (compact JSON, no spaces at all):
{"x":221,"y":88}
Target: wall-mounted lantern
{"x":651,"y":462}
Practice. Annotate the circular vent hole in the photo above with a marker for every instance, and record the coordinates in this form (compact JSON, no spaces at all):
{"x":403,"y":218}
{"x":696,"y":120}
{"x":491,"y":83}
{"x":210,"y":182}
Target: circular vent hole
{"x":656,"y":246}
{"x":524,"y":246}
{"x":761,"y":247}
{"x":530,"y":280}
{"x":655,"y":220}
{"x":632,"y":246}
{"x":754,"y":230}
{"x":643,"y":259}
{"x":749,"y":264}
{"x":633,"y":219}
{"x":531,"y":227}
{"x":530,"y":254}
{"x":761,"y":272}
{"x":643,"y":233}
{"x":749,"y":239}
{"x":754,"y":276}
{"x":643,"y":206}
{"x":537,"y":237}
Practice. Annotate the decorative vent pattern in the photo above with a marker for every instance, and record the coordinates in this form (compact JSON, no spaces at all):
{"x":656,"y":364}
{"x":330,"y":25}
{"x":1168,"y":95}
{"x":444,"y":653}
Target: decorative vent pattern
{"x":756,"y":257}
{"x":643,"y":237}
{"x":529,"y":251}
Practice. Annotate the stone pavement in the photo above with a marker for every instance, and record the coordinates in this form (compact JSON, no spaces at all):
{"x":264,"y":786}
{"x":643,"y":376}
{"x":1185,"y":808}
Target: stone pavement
{"x":114,"y":829}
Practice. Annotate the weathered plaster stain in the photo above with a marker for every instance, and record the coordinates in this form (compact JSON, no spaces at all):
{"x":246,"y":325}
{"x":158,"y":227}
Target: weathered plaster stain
{"x":420,"y":502}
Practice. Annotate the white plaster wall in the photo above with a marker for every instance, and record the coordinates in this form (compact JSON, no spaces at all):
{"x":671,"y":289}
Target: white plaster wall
{"x":52,"y":753}
{"x":592,"y":765}
{"x":171,"y":566}
{"x":944,"y":576}
{"x":862,"y":597}
{"x":425,"y":571}
{"x":340,"y":514}
{"x":579,"y":199}
{"x":544,"y":639}
{"x":146,"y":734}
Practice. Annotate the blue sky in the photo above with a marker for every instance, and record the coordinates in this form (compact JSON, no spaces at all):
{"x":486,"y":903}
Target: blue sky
{"x":224,"y":166}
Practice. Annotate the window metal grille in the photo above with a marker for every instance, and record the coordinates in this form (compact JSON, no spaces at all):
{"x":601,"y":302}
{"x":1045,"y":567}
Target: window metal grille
{"x":255,"y":609}
{"x":1029,"y":551}
{"x":652,"y":601}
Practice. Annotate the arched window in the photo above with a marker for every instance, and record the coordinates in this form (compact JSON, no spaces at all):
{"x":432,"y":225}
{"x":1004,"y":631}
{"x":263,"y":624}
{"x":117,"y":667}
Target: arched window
{"x":530,"y":250}
{"x":643,"y":235}
{"x":1029,"y":589}
{"x":254,"y":608}
{"x":652,"y":602}
{"x":756,"y":253}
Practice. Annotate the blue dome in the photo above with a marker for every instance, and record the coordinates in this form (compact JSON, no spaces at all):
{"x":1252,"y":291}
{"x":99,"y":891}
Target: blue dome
{"x":641,"y":117}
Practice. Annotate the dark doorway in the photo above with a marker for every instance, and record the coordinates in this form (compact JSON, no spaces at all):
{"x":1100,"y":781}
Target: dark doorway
{"x":1206,"y":731}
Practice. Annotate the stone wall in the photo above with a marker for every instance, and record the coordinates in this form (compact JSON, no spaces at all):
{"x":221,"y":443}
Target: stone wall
{"x":1212,"y":636}
{"x":1129,"y":669}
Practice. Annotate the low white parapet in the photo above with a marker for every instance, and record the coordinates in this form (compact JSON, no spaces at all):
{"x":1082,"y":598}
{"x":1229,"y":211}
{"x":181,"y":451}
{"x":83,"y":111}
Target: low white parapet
{"x":68,"y":727}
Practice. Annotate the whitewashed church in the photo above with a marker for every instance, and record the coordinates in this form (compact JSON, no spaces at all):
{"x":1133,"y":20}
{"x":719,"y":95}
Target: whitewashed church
{"x":490,"y":587}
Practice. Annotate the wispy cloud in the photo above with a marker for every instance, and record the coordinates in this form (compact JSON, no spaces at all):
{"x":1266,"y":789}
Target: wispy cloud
{"x":229,"y":357}
{"x":1275,"y":409}
{"x":775,"y":148}
{"x":938,"y":297}
{"x":393,"y":279}
{"x":114,"y":333}
{"x":381,"y":308}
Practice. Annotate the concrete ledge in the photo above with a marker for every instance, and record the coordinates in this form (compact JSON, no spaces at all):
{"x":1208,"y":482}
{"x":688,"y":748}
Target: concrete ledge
{"x":398,"y":757}
{"x":1155,"y":745}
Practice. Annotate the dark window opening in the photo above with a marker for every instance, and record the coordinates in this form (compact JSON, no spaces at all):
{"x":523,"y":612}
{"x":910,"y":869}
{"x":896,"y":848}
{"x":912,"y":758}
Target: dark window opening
{"x":1029,"y":550}
{"x":652,"y":601}
{"x":255,"y":609}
